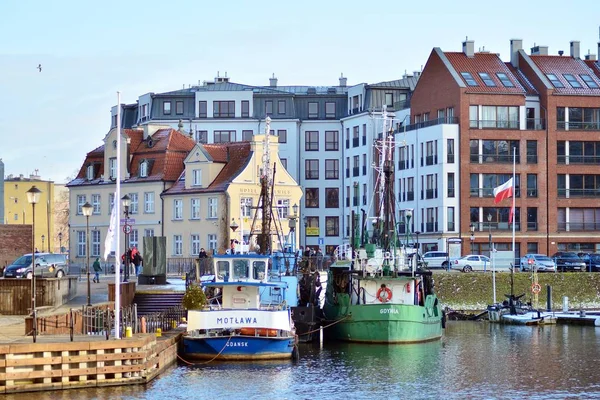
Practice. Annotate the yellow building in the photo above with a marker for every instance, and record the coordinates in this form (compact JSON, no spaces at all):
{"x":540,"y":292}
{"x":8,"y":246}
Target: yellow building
{"x":18,"y":211}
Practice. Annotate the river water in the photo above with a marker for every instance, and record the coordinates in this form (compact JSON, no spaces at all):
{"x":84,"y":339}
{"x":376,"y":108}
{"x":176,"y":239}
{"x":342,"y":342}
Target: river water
{"x":474,"y":360}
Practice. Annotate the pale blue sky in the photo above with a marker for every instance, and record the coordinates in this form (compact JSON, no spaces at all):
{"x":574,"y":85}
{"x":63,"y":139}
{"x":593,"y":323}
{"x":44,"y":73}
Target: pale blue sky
{"x":89,"y":50}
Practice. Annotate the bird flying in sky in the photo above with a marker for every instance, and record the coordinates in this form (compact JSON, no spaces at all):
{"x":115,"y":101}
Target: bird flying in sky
{"x":39,"y":67}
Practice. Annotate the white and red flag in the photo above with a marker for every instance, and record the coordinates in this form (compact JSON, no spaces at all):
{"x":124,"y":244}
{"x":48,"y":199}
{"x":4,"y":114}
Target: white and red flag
{"x":503,"y":191}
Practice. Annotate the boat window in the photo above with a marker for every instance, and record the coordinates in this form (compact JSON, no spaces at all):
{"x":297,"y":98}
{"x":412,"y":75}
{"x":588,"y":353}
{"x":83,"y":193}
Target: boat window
{"x":222,"y":269}
{"x":240,"y":269}
{"x":259,"y":269}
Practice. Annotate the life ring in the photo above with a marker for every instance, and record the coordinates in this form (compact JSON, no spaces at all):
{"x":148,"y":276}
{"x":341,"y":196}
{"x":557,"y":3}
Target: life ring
{"x":536,"y":288}
{"x":388,"y":294}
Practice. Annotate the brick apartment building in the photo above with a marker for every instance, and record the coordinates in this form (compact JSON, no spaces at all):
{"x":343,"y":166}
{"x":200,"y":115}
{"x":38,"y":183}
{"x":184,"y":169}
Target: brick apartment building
{"x":545,"y":106}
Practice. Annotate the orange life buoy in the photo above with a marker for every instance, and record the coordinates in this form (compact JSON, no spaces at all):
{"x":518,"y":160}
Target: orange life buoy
{"x":536,"y":288}
{"x":388,"y":294}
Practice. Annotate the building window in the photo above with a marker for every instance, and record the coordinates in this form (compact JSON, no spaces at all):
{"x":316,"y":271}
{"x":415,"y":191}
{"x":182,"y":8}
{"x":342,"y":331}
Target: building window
{"x":245,"y":110}
{"x":197,"y":177}
{"x":555,"y":81}
{"x":313,"y":110}
{"x":224,"y":109}
{"x":283,"y":208}
{"x":572,"y":81}
{"x":332,"y":226}
{"x":469,"y":79}
{"x":329,"y":110}
{"x":212,"y":242}
{"x":356,"y":166}
{"x":246,"y":204}
{"x":212,"y":207}
{"x":311,"y":141}
{"x":494,"y":151}
{"x":332,"y":198}
{"x":389,"y":100}
{"x":504,"y":79}
{"x":282,"y":135}
{"x":148,"y":232}
{"x":588,"y":81}
{"x":81,"y":236}
{"x":579,"y":118}
{"x":90,"y":172}
{"x":473,"y":116}
{"x":364,"y":135}
{"x":364,"y":165}
{"x":133,"y":238}
{"x":332,"y":169}
{"x":532,"y":152}
{"x":195,"y":239}
{"x":281,"y":107}
{"x":148,"y":202}
{"x":450,"y":149}
{"x":312,"y":226}
{"x":312,"y":169}
{"x":166,"y":107}
{"x":431,"y":152}
{"x":224,"y":136}
{"x":112,"y":164}
{"x":177,"y":245}
{"x":269,"y":107}
{"x":202,"y":109}
{"x":177,"y":209}
{"x":312,"y":197}
{"x":144,"y":169}
{"x":451,"y":184}
{"x":532,"y":224}
{"x":451,"y":225}
{"x":201,"y":137}
{"x":195,"y":208}
{"x":95,"y":251}
{"x":133,"y":207}
{"x":96,"y":204}
{"x":332,"y":142}
{"x":284,"y":162}
{"x":80,"y":202}
{"x":485,"y":77}
{"x":179,"y":108}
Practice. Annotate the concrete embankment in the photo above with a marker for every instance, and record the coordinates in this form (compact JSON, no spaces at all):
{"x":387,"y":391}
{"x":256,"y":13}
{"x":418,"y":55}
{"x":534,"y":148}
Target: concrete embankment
{"x":473,"y":291}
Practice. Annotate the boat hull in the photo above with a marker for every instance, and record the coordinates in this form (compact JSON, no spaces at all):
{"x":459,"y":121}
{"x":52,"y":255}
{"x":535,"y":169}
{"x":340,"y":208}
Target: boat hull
{"x":382,"y":323}
{"x":237,"y":347}
{"x":306,"y":321}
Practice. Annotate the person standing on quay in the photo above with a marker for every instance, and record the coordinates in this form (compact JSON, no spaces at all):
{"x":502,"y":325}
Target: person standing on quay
{"x":97,"y":269}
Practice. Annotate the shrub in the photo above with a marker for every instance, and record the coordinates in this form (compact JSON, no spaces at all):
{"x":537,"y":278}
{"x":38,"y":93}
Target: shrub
{"x":194,"y":298}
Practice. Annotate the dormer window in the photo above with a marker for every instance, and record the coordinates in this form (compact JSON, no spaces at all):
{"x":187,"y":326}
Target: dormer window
{"x":485,"y":77}
{"x":144,"y":169}
{"x":167,"y":107}
{"x":469,"y":78}
{"x":112,"y":168}
{"x":197,"y":177}
{"x":90,"y":172}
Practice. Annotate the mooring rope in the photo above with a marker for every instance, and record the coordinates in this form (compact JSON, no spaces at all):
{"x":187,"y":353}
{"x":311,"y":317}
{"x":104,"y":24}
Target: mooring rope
{"x":209,"y":361}
{"x":327,"y":326}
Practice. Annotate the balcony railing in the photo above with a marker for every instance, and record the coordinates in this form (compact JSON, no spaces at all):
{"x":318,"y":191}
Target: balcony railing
{"x":579,"y":159}
{"x":494,"y":158}
{"x":431,"y":122}
{"x":410,"y":196}
{"x":578,"y":126}
{"x":401,"y":105}
{"x":495,"y":226}
{"x":494,"y":124}
{"x":431,"y":193}
{"x":402,"y":164}
{"x":578,"y":226}
{"x":430,"y":226}
{"x":535,"y":124}
{"x":431,"y":160}
{"x":489,"y":192}
{"x":578,"y":193}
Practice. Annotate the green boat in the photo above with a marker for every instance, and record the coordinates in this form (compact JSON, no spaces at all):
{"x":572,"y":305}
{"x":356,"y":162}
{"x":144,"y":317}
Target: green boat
{"x":377,"y":291}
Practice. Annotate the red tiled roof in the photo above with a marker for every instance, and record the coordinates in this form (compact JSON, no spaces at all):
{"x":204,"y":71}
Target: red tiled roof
{"x":235,"y":156}
{"x":136,"y":136}
{"x":594,"y":66}
{"x":529,"y":88}
{"x":559,"y":65}
{"x":484,"y":62}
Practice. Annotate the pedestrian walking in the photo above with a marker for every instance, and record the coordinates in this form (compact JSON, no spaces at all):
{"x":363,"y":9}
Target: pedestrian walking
{"x":97,"y":270}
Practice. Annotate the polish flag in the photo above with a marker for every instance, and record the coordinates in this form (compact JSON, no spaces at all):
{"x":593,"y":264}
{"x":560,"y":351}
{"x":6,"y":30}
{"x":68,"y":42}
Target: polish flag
{"x":503,"y":191}
{"x":511,"y":214}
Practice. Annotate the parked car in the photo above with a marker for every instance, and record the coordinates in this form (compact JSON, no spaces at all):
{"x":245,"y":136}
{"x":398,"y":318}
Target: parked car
{"x":537,"y":262}
{"x":472,"y":262}
{"x":568,"y":261}
{"x":592,"y":261}
{"x":436,"y":259}
{"x":46,"y":264}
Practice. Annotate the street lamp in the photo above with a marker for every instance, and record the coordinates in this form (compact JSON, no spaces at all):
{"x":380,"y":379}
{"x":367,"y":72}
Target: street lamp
{"x":60,"y":242}
{"x":33,"y":196}
{"x":87,"y":210}
{"x":233,"y":225}
{"x":292,"y":225}
{"x":489,"y":218}
{"x":472,"y":230}
{"x":126,"y":202}
{"x":43,"y":237}
{"x":408,"y":216}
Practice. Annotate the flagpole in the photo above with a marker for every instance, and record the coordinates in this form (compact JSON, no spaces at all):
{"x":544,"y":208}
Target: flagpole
{"x":513,"y":204}
{"x":117,"y":204}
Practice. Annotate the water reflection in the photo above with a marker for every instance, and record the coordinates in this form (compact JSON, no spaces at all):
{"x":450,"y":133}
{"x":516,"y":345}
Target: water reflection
{"x":473,"y":360}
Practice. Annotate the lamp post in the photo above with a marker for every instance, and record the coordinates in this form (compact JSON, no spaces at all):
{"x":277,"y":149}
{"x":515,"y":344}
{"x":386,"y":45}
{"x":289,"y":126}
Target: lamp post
{"x":87,"y":210}
{"x":489,"y":219}
{"x":233,"y":228}
{"x":472,"y":230}
{"x":33,"y":196}
{"x":126,"y":202}
{"x":408,"y":216}
{"x":60,"y":242}
{"x":43,"y":237}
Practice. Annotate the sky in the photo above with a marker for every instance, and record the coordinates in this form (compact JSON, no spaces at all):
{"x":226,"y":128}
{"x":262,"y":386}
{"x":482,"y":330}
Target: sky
{"x":50,"y":119}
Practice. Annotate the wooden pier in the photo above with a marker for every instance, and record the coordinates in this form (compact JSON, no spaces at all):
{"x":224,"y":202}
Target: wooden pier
{"x":56,"y":363}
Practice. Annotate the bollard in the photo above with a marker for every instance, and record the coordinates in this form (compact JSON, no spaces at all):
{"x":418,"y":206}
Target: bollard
{"x":158,"y":332}
{"x":173,"y":324}
{"x":128,"y":332}
{"x":548,"y":298}
{"x":565,"y":304}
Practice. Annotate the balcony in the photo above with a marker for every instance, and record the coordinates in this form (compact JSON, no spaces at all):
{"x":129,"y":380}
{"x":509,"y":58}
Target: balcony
{"x":431,"y":160}
{"x":578,"y":226}
{"x":578,"y":126}
{"x":355,"y":142}
{"x":579,"y":159}
{"x":494,"y":158}
{"x":431,"y":122}
{"x":431,"y":193}
{"x":570,"y":193}
{"x":355,"y":171}
{"x":493,"y":124}
{"x":535,"y":124}
{"x":401,"y":105}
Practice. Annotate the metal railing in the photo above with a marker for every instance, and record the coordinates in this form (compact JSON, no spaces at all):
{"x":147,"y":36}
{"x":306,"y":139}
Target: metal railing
{"x":535,"y":124}
{"x":494,"y":124}
{"x":578,"y":193}
{"x":495,"y":158}
{"x":164,"y":320}
{"x":579,"y":159}
{"x":578,"y":126}
{"x":578,"y":226}
{"x":426,"y":124}
{"x":489,"y":192}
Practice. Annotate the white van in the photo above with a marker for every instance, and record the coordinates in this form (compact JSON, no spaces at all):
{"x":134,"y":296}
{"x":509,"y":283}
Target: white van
{"x":436,"y":259}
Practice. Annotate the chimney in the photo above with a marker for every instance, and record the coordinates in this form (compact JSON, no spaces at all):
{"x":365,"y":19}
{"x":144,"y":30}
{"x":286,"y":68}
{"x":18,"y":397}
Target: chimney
{"x":575,"y":49}
{"x":273,"y":81}
{"x":343,"y":81}
{"x":590,"y":57}
{"x":469,"y":47}
{"x":515,"y":46}
{"x":539,"y":50}
{"x":416,"y":74}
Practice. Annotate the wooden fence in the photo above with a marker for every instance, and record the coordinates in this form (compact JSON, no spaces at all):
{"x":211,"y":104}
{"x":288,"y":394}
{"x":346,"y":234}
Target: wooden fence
{"x":127,"y":291}
{"x":15,"y":294}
